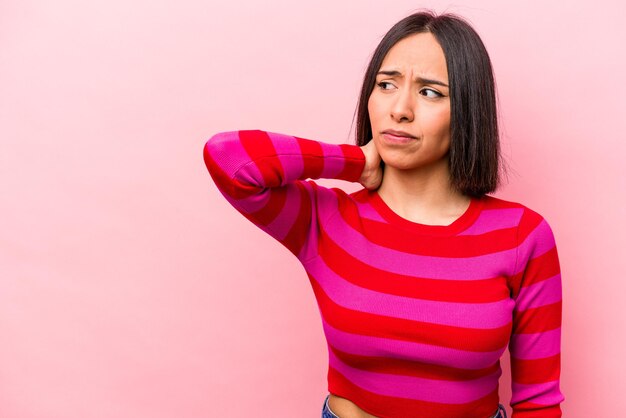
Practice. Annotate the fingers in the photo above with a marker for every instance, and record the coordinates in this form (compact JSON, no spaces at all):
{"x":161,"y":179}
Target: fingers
{"x":372,"y":173}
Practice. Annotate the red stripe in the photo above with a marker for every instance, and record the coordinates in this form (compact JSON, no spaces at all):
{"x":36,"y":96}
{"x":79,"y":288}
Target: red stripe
{"x":535,"y":410}
{"x":529,"y":221}
{"x":227,"y":185}
{"x":543,"y":370}
{"x":365,"y":323}
{"x":538,"y":269}
{"x":394,"y":237}
{"x":541,"y":319}
{"x":387,"y":406}
{"x":354,"y":163}
{"x":298,"y":233}
{"x":390,"y":365}
{"x":272,"y":208}
{"x":541,"y":268}
{"x":258,"y":144}
{"x":366,"y":276}
{"x":312,"y":156}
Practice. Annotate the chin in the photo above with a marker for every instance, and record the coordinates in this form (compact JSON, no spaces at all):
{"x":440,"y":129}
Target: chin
{"x":408,"y":165}
{"x":399,"y":162}
{"x":400,"y":165}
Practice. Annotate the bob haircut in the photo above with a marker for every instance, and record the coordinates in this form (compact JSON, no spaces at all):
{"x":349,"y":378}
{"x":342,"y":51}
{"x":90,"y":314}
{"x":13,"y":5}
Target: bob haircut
{"x":474,"y":154}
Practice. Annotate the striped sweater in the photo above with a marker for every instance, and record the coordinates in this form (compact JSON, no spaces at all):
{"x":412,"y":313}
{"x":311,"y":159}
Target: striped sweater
{"x":416,"y":316}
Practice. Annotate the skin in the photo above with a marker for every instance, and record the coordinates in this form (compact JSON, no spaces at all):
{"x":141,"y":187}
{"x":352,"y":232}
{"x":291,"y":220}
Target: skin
{"x":416,"y":180}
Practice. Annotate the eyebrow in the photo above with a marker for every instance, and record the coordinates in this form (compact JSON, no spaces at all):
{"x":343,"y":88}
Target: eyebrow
{"x":420,"y":80}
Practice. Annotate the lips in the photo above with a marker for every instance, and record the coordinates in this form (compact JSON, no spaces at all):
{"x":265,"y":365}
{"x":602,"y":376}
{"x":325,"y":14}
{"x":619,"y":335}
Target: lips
{"x":399,"y":134}
{"x":398,"y":137}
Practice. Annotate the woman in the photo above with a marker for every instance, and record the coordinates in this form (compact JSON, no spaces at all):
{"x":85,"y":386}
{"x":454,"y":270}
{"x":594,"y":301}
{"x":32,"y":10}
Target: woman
{"x":422,"y":279}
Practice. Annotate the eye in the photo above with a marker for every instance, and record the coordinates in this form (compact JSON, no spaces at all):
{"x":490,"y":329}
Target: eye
{"x":383,"y":83}
{"x":433,"y":94}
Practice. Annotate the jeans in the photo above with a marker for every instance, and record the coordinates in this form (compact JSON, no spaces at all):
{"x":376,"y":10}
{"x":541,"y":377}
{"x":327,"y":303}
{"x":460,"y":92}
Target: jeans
{"x":327,"y":413}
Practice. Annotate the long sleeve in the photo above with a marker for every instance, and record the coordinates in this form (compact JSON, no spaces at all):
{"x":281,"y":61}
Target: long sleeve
{"x":535,"y":345}
{"x":264,"y":175}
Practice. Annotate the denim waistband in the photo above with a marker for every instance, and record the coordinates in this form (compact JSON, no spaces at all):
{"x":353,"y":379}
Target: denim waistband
{"x":328,"y":413}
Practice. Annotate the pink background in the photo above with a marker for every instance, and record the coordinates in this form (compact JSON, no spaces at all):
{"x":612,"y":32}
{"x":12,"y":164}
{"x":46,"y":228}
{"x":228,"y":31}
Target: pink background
{"x":123,"y":289}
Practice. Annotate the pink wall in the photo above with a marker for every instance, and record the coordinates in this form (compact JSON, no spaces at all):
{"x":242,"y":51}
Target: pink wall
{"x":123,"y":292}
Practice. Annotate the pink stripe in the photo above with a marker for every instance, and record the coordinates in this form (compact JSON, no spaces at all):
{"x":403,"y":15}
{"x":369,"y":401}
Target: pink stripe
{"x":285,"y":220}
{"x":444,"y":268}
{"x":273,"y":230}
{"x":538,"y":242}
{"x":238,"y":164}
{"x":540,"y":393}
{"x":334,"y":160}
{"x":226,"y":150}
{"x":494,"y":219}
{"x":467,"y":315}
{"x":410,"y":387}
{"x":228,"y":144}
{"x":251,"y":204}
{"x":289,"y":154}
{"x":309,"y":248}
{"x":539,"y":294}
{"x":287,"y":146}
{"x":367,"y":211}
{"x":405,"y":350}
{"x":536,"y":346}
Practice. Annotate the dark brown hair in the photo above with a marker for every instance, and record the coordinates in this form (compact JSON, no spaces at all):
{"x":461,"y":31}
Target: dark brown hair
{"x":475,"y":159}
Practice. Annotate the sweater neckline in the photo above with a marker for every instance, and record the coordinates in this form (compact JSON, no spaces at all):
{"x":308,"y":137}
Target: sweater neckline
{"x":460,"y":224}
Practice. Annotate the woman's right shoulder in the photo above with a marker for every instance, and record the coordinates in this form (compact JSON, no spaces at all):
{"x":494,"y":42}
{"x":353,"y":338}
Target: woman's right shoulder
{"x":527,"y":217}
{"x":492,"y":202}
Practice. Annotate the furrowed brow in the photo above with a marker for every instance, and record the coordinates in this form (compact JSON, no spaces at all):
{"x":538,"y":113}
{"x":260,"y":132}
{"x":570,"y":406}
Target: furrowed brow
{"x":420,"y":80}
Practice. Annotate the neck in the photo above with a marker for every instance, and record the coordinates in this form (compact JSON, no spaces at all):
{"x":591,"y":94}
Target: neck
{"x":424,"y":195}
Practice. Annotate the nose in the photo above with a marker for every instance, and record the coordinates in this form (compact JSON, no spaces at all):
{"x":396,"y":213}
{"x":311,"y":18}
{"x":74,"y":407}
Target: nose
{"x":404,"y":105}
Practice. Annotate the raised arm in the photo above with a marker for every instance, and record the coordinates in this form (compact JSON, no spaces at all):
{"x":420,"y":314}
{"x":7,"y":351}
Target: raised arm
{"x":264,"y":176}
{"x":536,"y":341}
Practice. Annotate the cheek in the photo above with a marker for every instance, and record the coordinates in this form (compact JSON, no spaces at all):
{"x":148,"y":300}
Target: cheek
{"x":375,"y":108}
{"x":437,"y":122}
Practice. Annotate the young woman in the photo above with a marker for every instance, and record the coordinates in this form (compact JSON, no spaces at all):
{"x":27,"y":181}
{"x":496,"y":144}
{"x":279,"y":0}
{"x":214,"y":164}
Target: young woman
{"x":422,"y":279}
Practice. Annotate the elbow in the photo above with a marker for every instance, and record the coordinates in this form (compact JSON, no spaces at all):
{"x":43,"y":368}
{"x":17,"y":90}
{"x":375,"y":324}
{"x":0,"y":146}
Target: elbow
{"x":217,"y":148}
{"x":221,"y":140}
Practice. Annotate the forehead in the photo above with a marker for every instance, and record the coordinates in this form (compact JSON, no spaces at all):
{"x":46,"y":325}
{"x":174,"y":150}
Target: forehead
{"x":419,"y":54}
